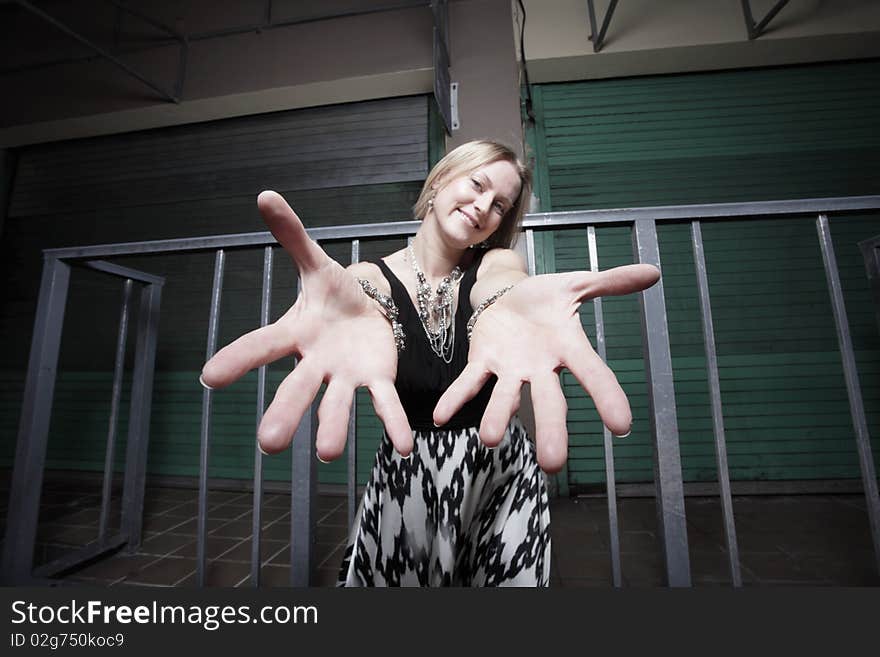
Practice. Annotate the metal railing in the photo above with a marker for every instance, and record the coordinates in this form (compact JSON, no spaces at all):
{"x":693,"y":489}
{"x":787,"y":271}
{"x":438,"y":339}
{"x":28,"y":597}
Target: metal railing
{"x":36,"y":408}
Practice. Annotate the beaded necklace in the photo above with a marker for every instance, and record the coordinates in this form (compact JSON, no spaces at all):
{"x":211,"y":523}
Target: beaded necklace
{"x":435,"y":309}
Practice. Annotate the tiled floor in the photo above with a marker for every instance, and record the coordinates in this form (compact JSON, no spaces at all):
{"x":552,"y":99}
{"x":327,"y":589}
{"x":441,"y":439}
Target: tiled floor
{"x":783,"y":540}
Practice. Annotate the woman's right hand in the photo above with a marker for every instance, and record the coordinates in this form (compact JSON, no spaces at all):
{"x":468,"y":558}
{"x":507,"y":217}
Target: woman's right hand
{"x":339,"y":336}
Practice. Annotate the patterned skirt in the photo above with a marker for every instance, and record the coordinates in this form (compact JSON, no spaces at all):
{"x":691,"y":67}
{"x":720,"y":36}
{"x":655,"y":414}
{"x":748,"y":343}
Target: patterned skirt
{"x":455,"y":513}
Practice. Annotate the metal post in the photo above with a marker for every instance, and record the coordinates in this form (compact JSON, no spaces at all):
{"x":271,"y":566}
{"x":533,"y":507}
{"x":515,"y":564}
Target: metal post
{"x":139,"y":415}
{"x":598,"y":38}
{"x":610,"y":478}
{"x":98,"y":49}
{"x":33,"y":430}
{"x":303,"y":491}
{"x":664,"y":422}
{"x":352,"y":426}
{"x":850,"y":373}
{"x":715,"y":396}
{"x":256,"y":528}
{"x":114,"y":409}
{"x":530,"y":251}
{"x":870,"y":249}
{"x":213,"y":322}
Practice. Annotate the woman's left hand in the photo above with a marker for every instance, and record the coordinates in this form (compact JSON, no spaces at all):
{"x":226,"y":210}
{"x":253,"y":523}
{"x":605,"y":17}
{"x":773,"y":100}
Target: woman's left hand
{"x":528,"y":335}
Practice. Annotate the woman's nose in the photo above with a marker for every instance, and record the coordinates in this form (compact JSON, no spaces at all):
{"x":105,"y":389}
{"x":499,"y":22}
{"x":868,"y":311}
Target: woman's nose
{"x":482,"y":202}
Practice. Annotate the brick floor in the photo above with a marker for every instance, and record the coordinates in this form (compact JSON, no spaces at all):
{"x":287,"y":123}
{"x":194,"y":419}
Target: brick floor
{"x":783,"y":540}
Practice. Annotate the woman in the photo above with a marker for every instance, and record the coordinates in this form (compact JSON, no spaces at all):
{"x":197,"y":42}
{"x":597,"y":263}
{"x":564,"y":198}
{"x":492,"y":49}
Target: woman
{"x":443,"y":334}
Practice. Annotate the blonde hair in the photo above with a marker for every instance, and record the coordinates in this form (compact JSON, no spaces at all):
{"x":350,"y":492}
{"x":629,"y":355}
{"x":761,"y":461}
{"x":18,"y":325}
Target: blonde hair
{"x":464,"y":160}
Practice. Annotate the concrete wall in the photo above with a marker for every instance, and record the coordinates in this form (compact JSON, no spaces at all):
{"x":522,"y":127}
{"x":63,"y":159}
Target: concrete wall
{"x":483,"y":58}
{"x":648,"y":36}
{"x":377,"y":55}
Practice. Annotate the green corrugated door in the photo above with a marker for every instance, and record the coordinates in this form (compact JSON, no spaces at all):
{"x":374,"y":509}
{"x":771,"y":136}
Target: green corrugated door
{"x":801,"y":132}
{"x":345,"y":164}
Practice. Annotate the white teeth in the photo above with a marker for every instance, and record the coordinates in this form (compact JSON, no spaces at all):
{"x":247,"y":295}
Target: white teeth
{"x":473,"y":223}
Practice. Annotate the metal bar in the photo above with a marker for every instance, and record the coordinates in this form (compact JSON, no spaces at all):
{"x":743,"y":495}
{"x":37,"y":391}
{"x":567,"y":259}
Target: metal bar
{"x":536,"y":220}
{"x":749,"y":18}
{"x":715,"y":396}
{"x":598,"y":38}
{"x":608,"y":13}
{"x":530,"y":251}
{"x":232,"y":31}
{"x":98,"y":49}
{"x":139,"y":415}
{"x":702,"y":212}
{"x":351,"y":487}
{"x":759,"y":28}
{"x":122,"y":272}
{"x":147,"y":19}
{"x":80,"y":556}
{"x":610,"y":477}
{"x":591,"y":12}
{"x":33,"y":430}
{"x":257,"y":527}
{"x":114,"y":409}
{"x":664,"y":422}
{"x":213,"y":323}
{"x":856,"y":407}
{"x":870,"y":249}
{"x":303,"y":491}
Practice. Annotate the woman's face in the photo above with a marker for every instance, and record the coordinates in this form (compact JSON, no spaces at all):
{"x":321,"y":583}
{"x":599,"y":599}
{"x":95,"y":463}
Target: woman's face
{"x":471,"y":206}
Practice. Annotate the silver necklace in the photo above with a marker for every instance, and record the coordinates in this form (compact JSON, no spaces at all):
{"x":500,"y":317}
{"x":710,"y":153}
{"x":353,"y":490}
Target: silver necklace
{"x":435,"y":309}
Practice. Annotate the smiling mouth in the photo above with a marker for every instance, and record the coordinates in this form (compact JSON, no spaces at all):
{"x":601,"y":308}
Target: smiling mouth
{"x":473,"y":222}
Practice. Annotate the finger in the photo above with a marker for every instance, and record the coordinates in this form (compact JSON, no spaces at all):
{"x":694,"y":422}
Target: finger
{"x":465,"y":387}
{"x":390,"y":412}
{"x":551,"y":431}
{"x":503,"y":403}
{"x":333,"y":414}
{"x":597,"y":379}
{"x":292,"y":400}
{"x":289,"y":231}
{"x":613,"y":282}
{"x":259,"y":347}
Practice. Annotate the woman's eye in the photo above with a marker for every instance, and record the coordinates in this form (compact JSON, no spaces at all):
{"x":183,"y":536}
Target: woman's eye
{"x":477,"y":183}
{"x":499,"y":208}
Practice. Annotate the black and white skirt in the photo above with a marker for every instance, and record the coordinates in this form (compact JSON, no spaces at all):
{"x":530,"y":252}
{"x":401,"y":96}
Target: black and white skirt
{"x":455,"y":513}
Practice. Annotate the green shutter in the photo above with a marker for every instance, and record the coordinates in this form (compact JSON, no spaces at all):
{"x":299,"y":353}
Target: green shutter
{"x":346,"y":164}
{"x":800,"y":132}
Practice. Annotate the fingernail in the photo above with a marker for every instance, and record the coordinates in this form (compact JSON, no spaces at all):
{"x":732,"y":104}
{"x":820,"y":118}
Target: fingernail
{"x":408,"y":457}
{"x":322,"y":460}
{"x":435,"y":424}
{"x":262,"y":451}
{"x":624,"y":435}
{"x":204,"y":385}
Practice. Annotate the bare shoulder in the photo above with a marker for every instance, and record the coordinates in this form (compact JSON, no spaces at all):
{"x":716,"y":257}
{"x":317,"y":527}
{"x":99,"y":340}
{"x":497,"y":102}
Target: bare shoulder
{"x":372,"y":273}
{"x":499,"y":260}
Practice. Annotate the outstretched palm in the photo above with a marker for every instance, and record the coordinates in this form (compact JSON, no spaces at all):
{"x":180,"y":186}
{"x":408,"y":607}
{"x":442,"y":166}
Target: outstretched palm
{"x":529,"y":335}
{"x":340,"y":337}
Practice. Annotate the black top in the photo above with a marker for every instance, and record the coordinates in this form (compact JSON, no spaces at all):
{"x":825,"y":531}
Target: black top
{"x":422,"y":376}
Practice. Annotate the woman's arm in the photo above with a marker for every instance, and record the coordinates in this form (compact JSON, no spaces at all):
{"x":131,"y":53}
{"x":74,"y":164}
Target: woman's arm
{"x":529,"y":335}
{"x":339,"y":336}
{"x":499,"y":268}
